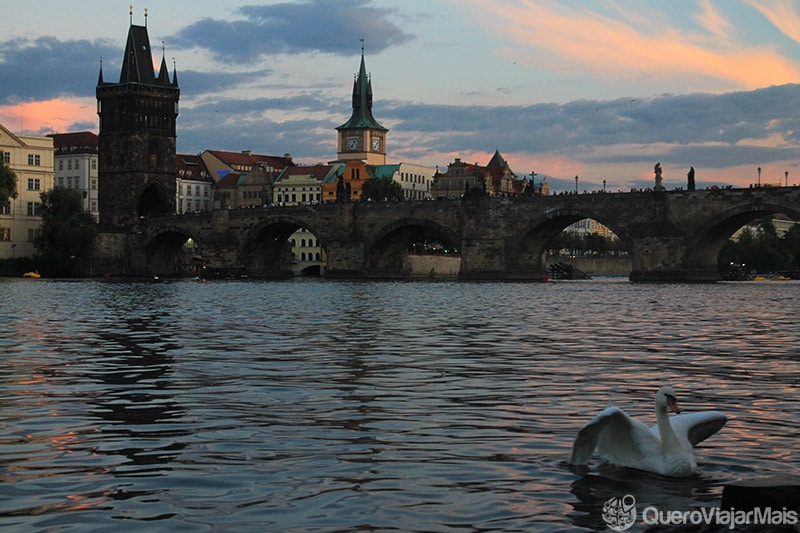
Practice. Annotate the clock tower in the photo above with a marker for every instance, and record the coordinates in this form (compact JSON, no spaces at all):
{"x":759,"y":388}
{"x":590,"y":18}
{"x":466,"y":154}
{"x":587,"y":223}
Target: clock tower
{"x":362,"y":137}
{"x":136,"y":161}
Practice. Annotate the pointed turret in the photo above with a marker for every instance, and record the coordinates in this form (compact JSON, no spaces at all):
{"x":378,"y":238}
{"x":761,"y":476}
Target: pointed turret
{"x":174,"y":74}
{"x":100,"y":76}
{"x":362,"y":102}
{"x":163,"y":73}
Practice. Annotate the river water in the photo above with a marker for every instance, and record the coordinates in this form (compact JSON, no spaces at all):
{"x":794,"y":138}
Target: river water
{"x":313,"y":405}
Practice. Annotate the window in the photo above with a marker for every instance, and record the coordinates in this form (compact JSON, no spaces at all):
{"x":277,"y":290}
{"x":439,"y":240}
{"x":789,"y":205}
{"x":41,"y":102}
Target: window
{"x":69,"y":164}
{"x":34,"y":209}
{"x":34,"y":160}
{"x":94,"y":164}
{"x":32,"y":234}
{"x":93,"y":206}
{"x":94,"y":183}
{"x":61,"y":164}
{"x":7,"y":158}
{"x":5,"y":234}
{"x":34,"y":184}
{"x":5,"y":209}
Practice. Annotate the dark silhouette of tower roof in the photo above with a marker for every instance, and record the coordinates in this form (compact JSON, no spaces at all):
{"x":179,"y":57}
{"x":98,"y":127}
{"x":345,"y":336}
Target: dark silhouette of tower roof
{"x":137,"y":63}
{"x":362,"y":102}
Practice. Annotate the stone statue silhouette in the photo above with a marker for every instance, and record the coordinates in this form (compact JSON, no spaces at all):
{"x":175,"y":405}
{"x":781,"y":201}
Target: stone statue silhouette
{"x":657,"y":171}
{"x":690,"y":179}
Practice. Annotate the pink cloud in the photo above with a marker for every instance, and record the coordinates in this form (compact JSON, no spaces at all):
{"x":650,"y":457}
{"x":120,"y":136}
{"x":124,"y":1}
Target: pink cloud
{"x":47,"y":116}
{"x":633,"y":45}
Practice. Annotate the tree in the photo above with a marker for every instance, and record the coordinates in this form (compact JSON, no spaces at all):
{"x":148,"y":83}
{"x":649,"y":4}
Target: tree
{"x":378,"y":189}
{"x":66,"y":240}
{"x":8,"y":183}
{"x":791,"y":247}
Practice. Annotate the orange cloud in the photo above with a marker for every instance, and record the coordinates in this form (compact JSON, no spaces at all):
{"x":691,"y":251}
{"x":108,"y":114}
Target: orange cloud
{"x":632,"y":45}
{"x":48,"y":116}
{"x":782,"y":14}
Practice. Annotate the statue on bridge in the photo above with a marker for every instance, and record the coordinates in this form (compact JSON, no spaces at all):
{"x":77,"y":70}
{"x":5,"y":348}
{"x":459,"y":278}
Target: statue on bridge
{"x":657,"y":171}
{"x":690,"y":179}
{"x":342,"y":191}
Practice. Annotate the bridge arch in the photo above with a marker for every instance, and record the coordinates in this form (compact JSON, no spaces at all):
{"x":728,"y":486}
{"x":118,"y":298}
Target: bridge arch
{"x":527,"y":252}
{"x":707,"y":241}
{"x":386,"y":253}
{"x":166,"y":254}
{"x":266,"y":250}
{"x":153,"y":202}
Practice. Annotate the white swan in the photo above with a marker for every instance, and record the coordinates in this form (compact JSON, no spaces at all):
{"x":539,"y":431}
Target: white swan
{"x":664,"y":449}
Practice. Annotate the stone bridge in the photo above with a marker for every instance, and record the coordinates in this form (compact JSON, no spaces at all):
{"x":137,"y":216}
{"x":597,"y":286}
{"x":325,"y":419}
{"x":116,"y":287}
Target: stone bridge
{"x":671,"y":235}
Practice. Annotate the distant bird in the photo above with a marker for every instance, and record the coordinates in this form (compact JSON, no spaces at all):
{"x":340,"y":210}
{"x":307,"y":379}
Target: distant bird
{"x":666,"y":448}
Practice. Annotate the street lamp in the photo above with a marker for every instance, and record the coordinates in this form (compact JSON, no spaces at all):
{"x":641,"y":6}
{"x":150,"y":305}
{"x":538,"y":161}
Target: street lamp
{"x":759,"y":176}
{"x":576,"y":184}
{"x":786,"y":179}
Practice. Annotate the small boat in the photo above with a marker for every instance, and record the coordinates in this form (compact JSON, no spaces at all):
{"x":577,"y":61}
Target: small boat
{"x":34,"y":275}
{"x":779,"y":277}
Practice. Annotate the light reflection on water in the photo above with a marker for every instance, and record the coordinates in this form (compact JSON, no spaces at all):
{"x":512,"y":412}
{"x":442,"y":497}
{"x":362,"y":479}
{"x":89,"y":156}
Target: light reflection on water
{"x":394,"y":406}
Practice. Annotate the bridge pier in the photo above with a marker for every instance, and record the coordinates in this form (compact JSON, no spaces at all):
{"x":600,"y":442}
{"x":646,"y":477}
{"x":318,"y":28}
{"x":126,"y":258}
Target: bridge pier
{"x":665,"y":259}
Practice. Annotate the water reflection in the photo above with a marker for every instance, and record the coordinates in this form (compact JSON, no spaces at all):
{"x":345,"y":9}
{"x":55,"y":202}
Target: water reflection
{"x":340,"y":406}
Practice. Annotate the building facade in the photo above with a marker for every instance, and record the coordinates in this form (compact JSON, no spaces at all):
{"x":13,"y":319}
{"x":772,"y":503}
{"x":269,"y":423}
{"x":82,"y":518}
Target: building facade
{"x":193,"y":185}
{"x":416,"y":180}
{"x":31,"y":159}
{"x":494,"y":179}
{"x":303,"y":185}
{"x":76,"y":161}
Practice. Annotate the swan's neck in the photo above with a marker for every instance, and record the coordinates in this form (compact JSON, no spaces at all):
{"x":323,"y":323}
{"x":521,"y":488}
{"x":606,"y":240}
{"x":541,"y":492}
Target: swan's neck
{"x":668,"y":437}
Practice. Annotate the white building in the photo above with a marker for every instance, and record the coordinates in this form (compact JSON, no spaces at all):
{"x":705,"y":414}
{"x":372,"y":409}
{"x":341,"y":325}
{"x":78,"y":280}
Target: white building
{"x":31,"y":159}
{"x":302,"y":185}
{"x":192,"y":184}
{"x":415,"y":179}
{"x":75,"y":160}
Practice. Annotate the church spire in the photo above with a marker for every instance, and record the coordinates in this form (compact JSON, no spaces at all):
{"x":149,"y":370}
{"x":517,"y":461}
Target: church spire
{"x":362,"y":100}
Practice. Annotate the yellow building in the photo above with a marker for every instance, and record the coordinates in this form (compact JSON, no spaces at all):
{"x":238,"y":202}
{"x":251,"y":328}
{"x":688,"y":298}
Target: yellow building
{"x":31,"y":159}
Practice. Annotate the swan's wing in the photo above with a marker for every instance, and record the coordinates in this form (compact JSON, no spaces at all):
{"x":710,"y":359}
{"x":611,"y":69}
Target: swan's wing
{"x":694,"y":428}
{"x":609,"y":425}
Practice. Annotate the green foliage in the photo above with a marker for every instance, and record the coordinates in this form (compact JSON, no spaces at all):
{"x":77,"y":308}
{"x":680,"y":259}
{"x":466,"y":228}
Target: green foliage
{"x":378,"y":189}
{"x":67,"y":235}
{"x":8,"y":183}
{"x":761,"y":249}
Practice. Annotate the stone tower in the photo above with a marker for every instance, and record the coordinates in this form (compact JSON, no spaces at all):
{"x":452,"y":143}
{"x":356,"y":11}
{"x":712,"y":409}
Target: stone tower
{"x":362,"y":137}
{"x":136,"y":163}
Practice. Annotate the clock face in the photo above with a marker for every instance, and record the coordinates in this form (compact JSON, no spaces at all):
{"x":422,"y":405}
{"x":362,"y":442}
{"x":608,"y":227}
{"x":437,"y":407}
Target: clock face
{"x":352,"y":143}
{"x":376,"y":145}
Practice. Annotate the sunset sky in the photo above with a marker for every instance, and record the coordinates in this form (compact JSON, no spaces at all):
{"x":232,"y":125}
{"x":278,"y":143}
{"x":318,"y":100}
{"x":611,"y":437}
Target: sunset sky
{"x":602,"y":89}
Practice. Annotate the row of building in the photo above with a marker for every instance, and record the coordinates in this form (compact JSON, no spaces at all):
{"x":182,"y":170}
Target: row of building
{"x":216,"y":179}
{"x":127,"y":171}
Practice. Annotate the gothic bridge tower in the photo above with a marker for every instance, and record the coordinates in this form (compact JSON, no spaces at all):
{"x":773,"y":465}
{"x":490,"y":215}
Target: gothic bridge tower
{"x":136,"y":174}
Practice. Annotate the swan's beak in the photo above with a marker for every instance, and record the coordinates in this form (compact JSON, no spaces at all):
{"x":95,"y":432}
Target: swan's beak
{"x":672,"y":403}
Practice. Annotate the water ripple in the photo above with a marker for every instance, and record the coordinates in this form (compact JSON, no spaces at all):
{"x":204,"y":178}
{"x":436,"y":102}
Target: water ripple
{"x":302,"y":405}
